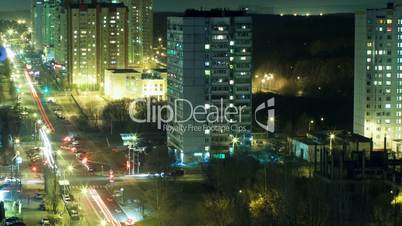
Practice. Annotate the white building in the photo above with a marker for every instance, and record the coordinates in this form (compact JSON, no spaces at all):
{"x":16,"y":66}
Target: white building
{"x":135,"y":84}
{"x":209,"y":64}
{"x":378,"y":75}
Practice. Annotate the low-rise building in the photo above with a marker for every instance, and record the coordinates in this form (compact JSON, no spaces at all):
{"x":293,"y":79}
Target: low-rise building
{"x":310,"y":146}
{"x":135,"y":84}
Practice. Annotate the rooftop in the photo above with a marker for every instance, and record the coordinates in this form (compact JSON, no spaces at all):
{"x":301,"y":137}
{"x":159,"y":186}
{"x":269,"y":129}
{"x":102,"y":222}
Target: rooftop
{"x":124,"y":70}
{"x":84,"y":6}
{"x":213,"y":13}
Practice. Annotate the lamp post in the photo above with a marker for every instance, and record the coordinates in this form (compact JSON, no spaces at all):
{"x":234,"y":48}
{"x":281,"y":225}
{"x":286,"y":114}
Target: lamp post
{"x":331,"y":138}
{"x":235,"y":140}
{"x":122,"y":194}
{"x":310,"y":125}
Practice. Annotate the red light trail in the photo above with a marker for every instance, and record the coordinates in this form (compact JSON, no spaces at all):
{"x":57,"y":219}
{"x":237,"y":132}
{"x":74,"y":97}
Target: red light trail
{"x":39,"y":102}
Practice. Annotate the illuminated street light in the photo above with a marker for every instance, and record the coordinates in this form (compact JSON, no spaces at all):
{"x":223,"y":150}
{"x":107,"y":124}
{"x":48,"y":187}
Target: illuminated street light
{"x":331,"y":138}
{"x":103,"y":223}
{"x":310,"y":124}
{"x":84,"y":190}
{"x":235,"y":140}
{"x":70,"y":168}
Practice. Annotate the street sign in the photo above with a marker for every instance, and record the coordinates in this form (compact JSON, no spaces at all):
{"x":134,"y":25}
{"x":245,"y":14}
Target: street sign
{"x":128,"y":138}
{"x":18,"y":160}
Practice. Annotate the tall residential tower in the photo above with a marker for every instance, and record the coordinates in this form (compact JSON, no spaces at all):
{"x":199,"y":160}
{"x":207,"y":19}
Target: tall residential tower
{"x":140,"y":30}
{"x":96,"y":40}
{"x":209,"y":65}
{"x":378,"y":76}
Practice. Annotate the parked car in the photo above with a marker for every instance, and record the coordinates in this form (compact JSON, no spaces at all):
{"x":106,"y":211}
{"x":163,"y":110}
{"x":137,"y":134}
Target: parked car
{"x":44,"y":221}
{"x":42,"y":206}
{"x":13,"y":221}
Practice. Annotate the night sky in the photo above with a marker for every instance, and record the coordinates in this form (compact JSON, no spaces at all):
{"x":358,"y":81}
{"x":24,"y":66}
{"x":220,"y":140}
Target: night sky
{"x":261,"y":6}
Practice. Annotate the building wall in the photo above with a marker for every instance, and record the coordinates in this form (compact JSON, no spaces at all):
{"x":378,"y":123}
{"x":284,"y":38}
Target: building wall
{"x":378,"y":75}
{"x":97,"y":40}
{"x":209,"y":63}
{"x":360,"y":73}
{"x":37,"y":24}
{"x":61,"y":39}
{"x":49,"y":20}
{"x":140,"y":20}
{"x":133,"y":86}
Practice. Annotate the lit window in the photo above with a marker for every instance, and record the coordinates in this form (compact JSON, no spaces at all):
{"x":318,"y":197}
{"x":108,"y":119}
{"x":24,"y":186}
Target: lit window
{"x":207,"y":46}
{"x":387,"y":106}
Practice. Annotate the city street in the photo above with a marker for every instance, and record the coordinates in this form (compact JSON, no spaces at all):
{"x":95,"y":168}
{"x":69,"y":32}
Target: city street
{"x":88,"y":187}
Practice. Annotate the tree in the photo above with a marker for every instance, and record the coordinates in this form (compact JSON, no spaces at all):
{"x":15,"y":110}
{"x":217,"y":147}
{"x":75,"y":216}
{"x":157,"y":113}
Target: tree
{"x":242,"y":170}
{"x":158,"y":160}
{"x":218,"y":210}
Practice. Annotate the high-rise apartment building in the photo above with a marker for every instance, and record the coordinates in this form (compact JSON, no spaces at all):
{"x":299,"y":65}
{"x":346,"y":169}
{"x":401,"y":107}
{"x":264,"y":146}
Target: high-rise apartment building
{"x":140,"y":30}
{"x":49,"y":31}
{"x":378,"y":76}
{"x":209,"y":63}
{"x":97,"y":38}
{"x":37,"y":24}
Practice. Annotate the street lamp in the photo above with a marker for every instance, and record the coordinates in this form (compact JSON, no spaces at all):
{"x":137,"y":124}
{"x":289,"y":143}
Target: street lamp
{"x":84,"y":190}
{"x":310,"y":124}
{"x":103,"y":223}
{"x":122,"y":194}
{"x":331,"y":138}
{"x":70,"y":168}
{"x":235,"y":140}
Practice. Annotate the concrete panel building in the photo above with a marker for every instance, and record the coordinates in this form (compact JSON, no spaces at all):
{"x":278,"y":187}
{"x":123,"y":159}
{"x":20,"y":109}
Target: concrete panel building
{"x":209,"y":64}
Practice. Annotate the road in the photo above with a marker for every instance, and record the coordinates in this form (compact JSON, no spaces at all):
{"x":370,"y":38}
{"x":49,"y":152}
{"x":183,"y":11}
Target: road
{"x":92,"y":208}
{"x":90,"y":190}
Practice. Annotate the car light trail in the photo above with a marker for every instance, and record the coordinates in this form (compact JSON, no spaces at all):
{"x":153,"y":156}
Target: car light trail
{"x":47,"y":149}
{"x":102,"y":206}
{"x":38,"y":102}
